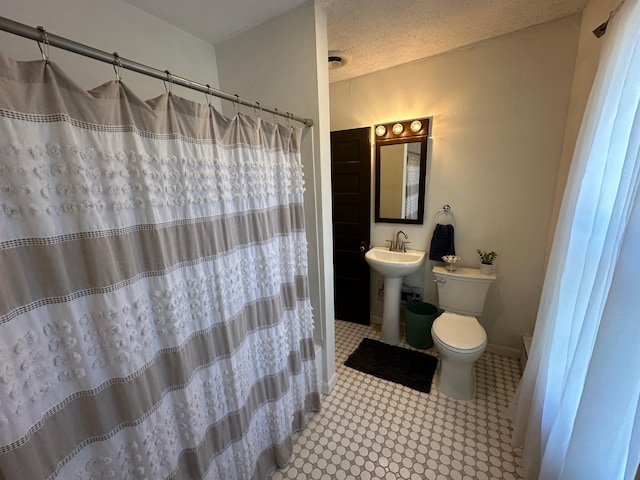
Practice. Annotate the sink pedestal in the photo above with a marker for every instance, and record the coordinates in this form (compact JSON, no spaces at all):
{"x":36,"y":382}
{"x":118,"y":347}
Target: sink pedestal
{"x":391,"y":310}
{"x":393,"y":265}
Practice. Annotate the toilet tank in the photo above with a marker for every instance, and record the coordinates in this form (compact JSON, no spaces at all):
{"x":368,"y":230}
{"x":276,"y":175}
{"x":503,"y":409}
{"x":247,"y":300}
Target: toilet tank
{"x":462,"y":291}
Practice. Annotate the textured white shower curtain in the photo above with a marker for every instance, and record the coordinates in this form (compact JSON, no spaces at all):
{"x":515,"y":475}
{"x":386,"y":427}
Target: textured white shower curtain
{"x":577,"y":410}
{"x":154,"y":308}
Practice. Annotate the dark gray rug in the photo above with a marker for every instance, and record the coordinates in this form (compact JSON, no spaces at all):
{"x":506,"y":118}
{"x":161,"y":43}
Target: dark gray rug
{"x":407,"y":367}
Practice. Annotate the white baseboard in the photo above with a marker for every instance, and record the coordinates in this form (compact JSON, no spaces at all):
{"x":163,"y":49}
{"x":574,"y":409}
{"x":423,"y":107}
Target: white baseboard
{"x":326,"y":387}
{"x":375,"y":320}
{"x":506,"y":351}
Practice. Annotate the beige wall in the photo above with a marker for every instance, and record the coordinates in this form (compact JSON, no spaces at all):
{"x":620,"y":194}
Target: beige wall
{"x":112,"y":26}
{"x":499,"y":109}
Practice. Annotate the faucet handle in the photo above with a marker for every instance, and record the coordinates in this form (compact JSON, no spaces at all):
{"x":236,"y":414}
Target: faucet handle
{"x":404,"y":245}
{"x":392,"y":244}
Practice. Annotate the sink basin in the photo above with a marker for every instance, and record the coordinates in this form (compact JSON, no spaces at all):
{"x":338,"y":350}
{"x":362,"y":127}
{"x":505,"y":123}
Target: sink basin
{"x":394,"y":264}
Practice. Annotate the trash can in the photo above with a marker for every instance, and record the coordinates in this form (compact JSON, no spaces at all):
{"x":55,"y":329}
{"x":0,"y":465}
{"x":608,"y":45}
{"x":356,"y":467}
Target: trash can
{"x":419,"y":317}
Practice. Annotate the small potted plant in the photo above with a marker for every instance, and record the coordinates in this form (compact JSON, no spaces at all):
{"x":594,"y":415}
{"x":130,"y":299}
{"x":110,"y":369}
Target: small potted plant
{"x":486,"y":261}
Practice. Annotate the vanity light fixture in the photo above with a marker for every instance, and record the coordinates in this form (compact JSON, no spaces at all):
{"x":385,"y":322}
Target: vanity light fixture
{"x":381,"y":130}
{"x":402,"y":129}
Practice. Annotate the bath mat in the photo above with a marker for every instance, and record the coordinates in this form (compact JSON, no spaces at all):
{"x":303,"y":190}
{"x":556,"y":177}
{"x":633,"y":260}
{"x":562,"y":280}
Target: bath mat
{"x":407,"y":367}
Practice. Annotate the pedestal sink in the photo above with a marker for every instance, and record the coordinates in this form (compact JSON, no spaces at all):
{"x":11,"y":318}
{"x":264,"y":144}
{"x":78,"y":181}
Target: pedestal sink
{"x":393,"y":266}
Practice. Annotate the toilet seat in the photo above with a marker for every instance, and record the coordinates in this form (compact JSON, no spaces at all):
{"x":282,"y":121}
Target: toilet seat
{"x":460,"y":333}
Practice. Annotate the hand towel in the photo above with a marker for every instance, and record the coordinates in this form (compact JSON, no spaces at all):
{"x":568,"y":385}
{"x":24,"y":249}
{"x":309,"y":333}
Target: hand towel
{"x":442,"y":242}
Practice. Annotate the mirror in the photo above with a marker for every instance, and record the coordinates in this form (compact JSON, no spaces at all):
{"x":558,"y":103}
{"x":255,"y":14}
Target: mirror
{"x":401,"y":170}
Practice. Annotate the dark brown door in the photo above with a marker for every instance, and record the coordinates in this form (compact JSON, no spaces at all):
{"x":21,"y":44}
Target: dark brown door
{"x":351,"y":187}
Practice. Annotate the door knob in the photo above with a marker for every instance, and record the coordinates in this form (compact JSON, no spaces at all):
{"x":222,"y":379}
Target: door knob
{"x":362,"y":248}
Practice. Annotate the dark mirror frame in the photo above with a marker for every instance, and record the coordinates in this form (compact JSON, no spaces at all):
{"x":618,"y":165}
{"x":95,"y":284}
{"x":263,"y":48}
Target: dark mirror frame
{"x":407,"y":136}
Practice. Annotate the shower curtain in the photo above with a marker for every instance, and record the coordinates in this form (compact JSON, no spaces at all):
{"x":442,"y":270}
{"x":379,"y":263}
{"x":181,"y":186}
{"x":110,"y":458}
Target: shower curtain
{"x":154,"y":308}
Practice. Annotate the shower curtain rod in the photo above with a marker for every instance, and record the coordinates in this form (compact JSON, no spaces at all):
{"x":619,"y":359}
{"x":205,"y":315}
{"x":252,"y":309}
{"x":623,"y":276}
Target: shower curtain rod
{"x":40,"y":35}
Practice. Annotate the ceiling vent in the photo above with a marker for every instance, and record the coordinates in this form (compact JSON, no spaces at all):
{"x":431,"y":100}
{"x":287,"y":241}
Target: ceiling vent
{"x":336,"y":60}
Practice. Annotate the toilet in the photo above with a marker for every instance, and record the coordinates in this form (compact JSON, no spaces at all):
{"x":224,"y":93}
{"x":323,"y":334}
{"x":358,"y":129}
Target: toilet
{"x":457,"y":334}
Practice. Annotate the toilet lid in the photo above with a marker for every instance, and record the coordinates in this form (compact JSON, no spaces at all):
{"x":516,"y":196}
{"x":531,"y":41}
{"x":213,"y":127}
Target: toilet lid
{"x":462,"y":332}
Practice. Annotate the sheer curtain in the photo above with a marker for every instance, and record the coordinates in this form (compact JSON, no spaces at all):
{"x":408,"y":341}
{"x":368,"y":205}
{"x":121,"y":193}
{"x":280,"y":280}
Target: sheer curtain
{"x":576,"y":410}
{"x":155,"y":319}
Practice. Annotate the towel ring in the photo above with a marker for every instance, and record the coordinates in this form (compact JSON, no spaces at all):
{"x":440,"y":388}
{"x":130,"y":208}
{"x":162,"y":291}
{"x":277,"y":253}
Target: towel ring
{"x":448,"y":214}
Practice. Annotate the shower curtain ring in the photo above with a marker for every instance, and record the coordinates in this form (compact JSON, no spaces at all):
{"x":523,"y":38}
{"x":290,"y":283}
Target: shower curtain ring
{"x":45,"y":39}
{"x":169,"y":79}
{"x":289,"y":116}
{"x":206,"y":95}
{"x":256,"y":112}
{"x":117,"y":67}
{"x":275,"y":118}
{"x":237,"y":103}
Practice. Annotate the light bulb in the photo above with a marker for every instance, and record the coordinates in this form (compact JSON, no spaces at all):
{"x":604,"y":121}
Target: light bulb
{"x":381,"y":130}
{"x":397,"y":128}
{"x":416,"y":126}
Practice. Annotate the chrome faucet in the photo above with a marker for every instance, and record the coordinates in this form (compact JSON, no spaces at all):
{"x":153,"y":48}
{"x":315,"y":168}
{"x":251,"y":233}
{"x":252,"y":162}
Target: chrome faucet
{"x":397,"y":244}
{"x":400,"y":244}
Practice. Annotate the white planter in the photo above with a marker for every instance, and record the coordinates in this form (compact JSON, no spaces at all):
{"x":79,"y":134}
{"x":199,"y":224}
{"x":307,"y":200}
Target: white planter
{"x":486,"y":269}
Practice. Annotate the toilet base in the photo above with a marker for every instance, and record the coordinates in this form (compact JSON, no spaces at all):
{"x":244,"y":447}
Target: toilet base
{"x":457,"y":380}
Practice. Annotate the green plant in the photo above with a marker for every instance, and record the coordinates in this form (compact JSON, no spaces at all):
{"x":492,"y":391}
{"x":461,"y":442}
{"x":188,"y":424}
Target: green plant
{"x":487,"y":257}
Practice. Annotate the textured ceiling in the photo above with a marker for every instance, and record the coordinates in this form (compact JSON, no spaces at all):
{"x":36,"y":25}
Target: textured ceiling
{"x":378,"y":34}
{"x":371,"y":35}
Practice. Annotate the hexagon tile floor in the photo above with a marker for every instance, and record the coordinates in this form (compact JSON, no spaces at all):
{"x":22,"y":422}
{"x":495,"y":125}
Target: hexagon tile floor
{"x":374,"y":429}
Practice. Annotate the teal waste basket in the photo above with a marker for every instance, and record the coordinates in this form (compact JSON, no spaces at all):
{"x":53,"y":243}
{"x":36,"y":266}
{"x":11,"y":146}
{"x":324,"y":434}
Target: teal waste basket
{"x":419,"y":317}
